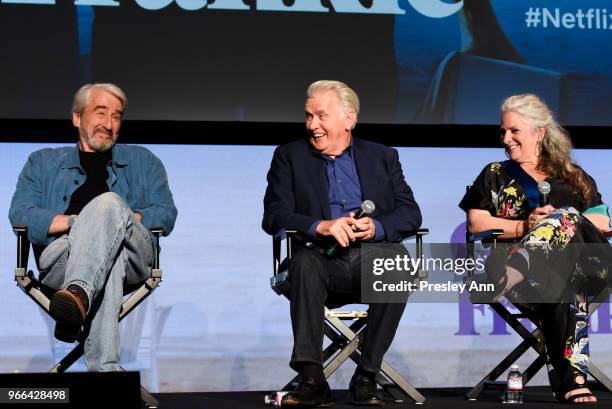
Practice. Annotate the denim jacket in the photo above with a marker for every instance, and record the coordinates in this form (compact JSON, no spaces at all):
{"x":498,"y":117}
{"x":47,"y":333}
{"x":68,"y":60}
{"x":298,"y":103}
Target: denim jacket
{"x":51,"y":175}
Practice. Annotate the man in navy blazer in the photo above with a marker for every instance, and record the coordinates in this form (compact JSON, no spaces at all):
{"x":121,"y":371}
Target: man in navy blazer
{"x":316,"y":186}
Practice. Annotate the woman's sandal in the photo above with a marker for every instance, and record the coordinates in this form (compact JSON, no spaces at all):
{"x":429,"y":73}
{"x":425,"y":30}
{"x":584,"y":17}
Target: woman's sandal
{"x":572,"y":384}
{"x":572,"y":399}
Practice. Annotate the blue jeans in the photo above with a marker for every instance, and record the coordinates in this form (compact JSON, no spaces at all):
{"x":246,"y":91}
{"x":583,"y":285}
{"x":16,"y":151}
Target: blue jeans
{"x":105,"y":251}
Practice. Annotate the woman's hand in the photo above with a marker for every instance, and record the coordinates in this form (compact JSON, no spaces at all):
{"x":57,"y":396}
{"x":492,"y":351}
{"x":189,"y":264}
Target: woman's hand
{"x":480,"y":220}
{"x":537,"y":214}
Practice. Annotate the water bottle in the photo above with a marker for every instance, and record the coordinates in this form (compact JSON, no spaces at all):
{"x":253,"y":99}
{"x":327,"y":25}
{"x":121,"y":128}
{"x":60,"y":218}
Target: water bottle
{"x":514,"y":393}
{"x":275,"y":399}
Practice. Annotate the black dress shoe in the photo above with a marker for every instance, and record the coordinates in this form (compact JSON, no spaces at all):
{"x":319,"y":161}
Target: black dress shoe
{"x":362,"y":391}
{"x":308,"y":394}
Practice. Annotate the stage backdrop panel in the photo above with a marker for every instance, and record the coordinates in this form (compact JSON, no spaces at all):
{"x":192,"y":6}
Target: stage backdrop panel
{"x":215,"y":324}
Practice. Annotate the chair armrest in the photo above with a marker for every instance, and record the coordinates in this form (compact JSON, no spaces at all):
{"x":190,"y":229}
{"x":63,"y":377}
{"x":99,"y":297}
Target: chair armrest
{"x":23,"y":246}
{"x":491,"y":234}
{"x":419,"y":233}
{"x":283,"y":233}
{"x":157,"y":233}
{"x":607,"y":233}
{"x":419,"y":247}
{"x":486,"y":235}
{"x":422,"y":232}
{"x":277,"y":239}
{"x":279,"y":277}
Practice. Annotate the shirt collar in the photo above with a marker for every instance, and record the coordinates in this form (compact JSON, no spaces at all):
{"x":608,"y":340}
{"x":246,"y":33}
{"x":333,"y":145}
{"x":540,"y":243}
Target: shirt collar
{"x":348,"y":151}
{"x":73,"y":161}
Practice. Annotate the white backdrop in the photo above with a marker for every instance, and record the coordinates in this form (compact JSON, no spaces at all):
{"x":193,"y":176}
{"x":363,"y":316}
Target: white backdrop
{"x":216,"y":325}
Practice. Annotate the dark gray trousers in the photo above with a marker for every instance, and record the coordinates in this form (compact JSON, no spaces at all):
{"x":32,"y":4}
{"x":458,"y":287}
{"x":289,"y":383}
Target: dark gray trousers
{"x":317,"y":280}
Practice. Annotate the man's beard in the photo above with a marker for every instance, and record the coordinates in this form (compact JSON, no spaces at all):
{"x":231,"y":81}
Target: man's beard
{"x":100,"y":145}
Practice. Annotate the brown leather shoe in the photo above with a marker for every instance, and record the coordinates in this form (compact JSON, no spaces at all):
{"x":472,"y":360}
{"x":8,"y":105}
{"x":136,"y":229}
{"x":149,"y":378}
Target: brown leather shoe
{"x":68,"y":309}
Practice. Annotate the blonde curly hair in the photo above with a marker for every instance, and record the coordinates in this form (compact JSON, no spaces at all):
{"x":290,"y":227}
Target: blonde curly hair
{"x":555,"y":148}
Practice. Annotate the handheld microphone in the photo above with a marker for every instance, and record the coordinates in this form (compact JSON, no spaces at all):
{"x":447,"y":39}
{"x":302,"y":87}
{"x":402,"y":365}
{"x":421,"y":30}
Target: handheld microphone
{"x":367,"y":207}
{"x":544,"y":190}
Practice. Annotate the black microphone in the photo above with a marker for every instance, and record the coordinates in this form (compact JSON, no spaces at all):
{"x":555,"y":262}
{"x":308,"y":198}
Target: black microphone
{"x":367,"y":207}
{"x":544,"y":190}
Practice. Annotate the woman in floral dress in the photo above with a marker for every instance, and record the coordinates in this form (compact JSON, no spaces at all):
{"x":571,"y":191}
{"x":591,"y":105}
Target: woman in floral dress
{"x":560,"y":245}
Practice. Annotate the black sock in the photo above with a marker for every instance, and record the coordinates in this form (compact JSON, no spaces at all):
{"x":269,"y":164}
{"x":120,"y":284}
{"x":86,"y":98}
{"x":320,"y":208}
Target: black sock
{"x":315,"y":371}
{"x":360,"y":371}
{"x":75,"y":288}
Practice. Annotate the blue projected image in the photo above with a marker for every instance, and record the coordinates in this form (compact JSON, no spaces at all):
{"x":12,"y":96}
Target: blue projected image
{"x":410,"y":61}
{"x":458,"y":69}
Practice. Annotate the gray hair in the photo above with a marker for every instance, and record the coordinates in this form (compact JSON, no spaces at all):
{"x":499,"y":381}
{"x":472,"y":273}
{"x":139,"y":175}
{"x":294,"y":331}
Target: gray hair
{"x":348,"y":98}
{"x":81,"y":97}
{"x":555,"y":148}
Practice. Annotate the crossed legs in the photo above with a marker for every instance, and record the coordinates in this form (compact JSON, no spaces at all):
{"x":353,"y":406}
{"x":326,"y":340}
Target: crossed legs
{"x":105,"y":249}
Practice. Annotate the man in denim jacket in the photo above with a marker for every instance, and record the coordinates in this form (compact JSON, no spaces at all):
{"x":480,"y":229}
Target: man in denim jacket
{"x":88,"y":209}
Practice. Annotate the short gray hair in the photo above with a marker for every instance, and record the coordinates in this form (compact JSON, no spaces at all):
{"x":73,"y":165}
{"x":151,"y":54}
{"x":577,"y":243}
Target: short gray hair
{"x":348,"y":98}
{"x":81,"y":98}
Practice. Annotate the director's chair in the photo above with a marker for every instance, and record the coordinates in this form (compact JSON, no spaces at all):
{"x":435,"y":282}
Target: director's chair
{"x":531,"y":339}
{"x":41,"y":294}
{"x":346,"y":340}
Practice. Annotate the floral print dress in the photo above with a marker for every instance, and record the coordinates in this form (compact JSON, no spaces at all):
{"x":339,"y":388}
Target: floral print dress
{"x":563,"y":244}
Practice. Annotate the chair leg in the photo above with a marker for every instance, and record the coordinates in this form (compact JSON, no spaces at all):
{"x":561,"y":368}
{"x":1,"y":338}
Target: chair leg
{"x":388,"y":378}
{"x":490,"y":379}
{"x":512,"y":320}
{"x":600,"y":377}
{"x":345,"y":353}
{"x":533,"y":369}
{"x":401,"y":383}
{"x":337,"y":343}
{"x":148,"y":399}
{"x":530,"y":339}
{"x":68,"y":360}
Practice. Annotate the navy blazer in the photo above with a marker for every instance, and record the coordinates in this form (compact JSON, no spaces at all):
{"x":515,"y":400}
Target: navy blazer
{"x":297,"y":192}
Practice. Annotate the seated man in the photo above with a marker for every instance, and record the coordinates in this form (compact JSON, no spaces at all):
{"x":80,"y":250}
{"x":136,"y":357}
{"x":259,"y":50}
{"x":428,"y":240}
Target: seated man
{"x":315,"y":186}
{"x":88,"y":209}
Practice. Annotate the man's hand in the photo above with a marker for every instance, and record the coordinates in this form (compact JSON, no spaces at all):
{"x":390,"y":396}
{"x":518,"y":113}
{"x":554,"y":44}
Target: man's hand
{"x":347,"y":229}
{"x":138,"y":216}
{"x":59,"y":225}
{"x":365,"y":229}
{"x":340,"y":229}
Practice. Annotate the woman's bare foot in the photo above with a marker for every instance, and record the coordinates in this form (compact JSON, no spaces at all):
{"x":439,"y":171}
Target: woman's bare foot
{"x":590,"y":398}
{"x":583,"y":399}
{"x":512,"y":278}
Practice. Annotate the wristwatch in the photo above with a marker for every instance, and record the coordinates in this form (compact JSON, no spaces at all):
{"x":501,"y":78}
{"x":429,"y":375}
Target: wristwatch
{"x":71,"y":220}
